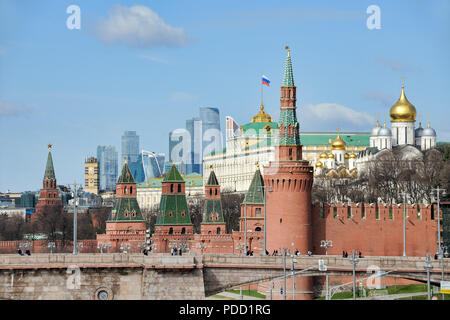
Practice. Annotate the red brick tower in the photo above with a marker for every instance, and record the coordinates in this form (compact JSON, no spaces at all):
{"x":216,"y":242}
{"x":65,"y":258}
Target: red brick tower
{"x":49,"y":195}
{"x":288,"y":180}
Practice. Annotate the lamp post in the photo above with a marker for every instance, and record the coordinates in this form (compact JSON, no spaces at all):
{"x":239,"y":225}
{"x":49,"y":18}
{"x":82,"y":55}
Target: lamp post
{"x":428,"y":266}
{"x":265,"y":216}
{"x":284,"y":271}
{"x":354,"y":260}
{"x":404,"y":222}
{"x":440,"y":247}
{"x":293,"y":275}
{"x":245,"y":221}
{"x":75,"y":185}
{"x":51,"y":245}
{"x":326,"y":244}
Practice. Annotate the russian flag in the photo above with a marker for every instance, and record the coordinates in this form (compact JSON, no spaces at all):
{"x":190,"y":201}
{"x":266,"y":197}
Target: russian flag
{"x":265,"y":80}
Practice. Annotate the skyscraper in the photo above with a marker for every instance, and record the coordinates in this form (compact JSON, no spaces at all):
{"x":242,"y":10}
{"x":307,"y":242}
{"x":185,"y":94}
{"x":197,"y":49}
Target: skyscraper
{"x":130,"y":146}
{"x":179,"y":148}
{"x":108,"y":167}
{"x":91,"y":176}
{"x":212,"y":136}
{"x":194,"y":157}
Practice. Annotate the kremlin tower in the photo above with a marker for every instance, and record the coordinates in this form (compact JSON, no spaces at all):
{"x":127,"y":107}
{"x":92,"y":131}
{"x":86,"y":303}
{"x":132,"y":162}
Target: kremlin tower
{"x":288,"y":182}
{"x":49,"y":195}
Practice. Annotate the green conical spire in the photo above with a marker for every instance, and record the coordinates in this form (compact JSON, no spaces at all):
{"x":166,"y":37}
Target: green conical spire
{"x":288,"y":79}
{"x":173,"y":175}
{"x":126,"y":176}
{"x":212,"y":180}
{"x":255,"y":194}
{"x":49,"y":170}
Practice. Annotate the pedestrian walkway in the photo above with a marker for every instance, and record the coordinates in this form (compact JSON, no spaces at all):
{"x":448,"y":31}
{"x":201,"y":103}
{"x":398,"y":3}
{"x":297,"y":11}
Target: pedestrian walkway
{"x":390,"y":296}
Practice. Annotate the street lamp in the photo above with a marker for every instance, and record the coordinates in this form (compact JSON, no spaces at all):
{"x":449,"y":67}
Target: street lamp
{"x":428,"y":266}
{"x":404,"y":222}
{"x":293,"y":275}
{"x":51,"y":245}
{"x":284,"y":271}
{"x":265,"y":216}
{"x":326,"y":244}
{"x":354,"y":260}
{"x":440,"y":247}
{"x":75,"y":185}
{"x":245,"y":220}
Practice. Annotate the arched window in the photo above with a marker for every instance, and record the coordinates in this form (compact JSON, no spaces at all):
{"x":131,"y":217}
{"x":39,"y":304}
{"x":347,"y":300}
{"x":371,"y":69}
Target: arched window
{"x":210,"y":191}
{"x":183,"y":230}
{"x":218,"y":230}
{"x":171,"y":188}
{"x":179,"y":187}
{"x":171,"y":231}
{"x":257,"y":229}
{"x":131,"y":190}
{"x":215,"y":191}
{"x":125,"y":190}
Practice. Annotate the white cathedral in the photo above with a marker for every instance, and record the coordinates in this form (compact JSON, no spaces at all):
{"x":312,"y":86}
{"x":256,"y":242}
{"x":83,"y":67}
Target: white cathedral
{"x":403,"y":135}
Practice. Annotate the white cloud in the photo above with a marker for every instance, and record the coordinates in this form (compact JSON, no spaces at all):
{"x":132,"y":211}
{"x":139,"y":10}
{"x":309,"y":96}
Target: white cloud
{"x":7,"y":109}
{"x":152,"y":59}
{"x":139,"y":27}
{"x":329,"y":116}
{"x":397,"y":65}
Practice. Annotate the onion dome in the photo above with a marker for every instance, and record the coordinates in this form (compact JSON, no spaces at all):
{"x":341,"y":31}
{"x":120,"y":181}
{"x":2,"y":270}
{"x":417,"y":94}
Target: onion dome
{"x":346,"y":156}
{"x":403,"y":110}
{"x":352,"y":155}
{"x":323,"y":155}
{"x":338,"y":143}
{"x":319,"y":164}
{"x":375,"y":129}
{"x":330,"y":156}
{"x":429,"y":132}
{"x":385,"y":132}
{"x":261,"y":116}
{"x":419,"y":131}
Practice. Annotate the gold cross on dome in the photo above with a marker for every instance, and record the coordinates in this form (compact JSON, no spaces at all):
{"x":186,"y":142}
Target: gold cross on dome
{"x":403,"y":81}
{"x":49,"y":147}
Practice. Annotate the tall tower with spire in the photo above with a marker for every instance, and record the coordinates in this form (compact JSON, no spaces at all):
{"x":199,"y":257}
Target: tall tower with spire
{"x":288,"y":182}
{"x":49,"y":195}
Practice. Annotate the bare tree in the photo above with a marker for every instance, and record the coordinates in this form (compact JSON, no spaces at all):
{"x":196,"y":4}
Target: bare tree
{"x":231,"y":209}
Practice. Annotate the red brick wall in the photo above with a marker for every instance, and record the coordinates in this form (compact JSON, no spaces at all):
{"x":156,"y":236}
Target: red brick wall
{"x":382,"y":237}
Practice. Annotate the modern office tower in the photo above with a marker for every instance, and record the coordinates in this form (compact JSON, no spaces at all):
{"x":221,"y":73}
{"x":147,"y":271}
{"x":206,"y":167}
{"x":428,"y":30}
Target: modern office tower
{"x":130,"y":146}
{"x":107,"y":158}
{"x":194,"y":157}
{"x":152,"y":164}
{"x":212,"y":136}
{"x":91,"y":176}
{"x":179,"y":148}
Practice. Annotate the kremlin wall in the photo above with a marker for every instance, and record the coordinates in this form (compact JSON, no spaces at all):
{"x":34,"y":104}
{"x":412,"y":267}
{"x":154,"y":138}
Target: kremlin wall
{"x":293,"y":222}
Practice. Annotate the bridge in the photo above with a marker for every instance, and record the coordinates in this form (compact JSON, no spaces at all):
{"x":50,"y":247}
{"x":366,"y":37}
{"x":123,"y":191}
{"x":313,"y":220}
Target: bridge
{"x":162,"y":276}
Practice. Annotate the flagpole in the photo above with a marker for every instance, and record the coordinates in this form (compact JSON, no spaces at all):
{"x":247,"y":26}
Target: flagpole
{"x":261,"y":90}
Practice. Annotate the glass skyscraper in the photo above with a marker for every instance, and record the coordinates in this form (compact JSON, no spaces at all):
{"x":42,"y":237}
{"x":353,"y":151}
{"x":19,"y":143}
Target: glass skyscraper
{"x":130,"y":146}
{"x":212,"y":136}
{"x":108,"y":166}
{"x":194,"y":160}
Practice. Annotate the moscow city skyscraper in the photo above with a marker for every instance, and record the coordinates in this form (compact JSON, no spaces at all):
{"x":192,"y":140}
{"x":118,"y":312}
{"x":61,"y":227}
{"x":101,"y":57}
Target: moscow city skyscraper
{"x":107,"y":158}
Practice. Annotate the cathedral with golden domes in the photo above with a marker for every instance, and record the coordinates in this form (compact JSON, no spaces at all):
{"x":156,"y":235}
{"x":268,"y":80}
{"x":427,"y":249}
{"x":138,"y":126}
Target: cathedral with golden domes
{"x":403,"y":136}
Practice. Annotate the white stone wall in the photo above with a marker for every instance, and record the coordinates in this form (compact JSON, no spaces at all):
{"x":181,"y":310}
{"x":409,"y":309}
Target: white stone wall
{"x":403,"y":132}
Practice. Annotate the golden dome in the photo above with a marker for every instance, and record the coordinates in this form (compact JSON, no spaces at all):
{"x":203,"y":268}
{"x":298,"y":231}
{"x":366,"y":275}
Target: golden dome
{"x":330,"y":156}
{"x":261,"y":116}
{"x":403,"y":110}
{"x":338,"y":143}
{"x":319,"y":164}
{"x":323,"y":155}
{"x":352,"y":155}
{"x":346,"y":156}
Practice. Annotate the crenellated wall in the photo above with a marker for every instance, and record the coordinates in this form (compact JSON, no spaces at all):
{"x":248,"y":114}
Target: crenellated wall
{"x":375,"y":230}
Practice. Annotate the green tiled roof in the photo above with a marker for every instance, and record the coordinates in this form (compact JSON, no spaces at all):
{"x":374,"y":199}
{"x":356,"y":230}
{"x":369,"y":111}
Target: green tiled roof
{"x":173,"y":175}
{"x":126,"y":176}
{"x":212,"y":180}
{"x":317,"y":139}
{"x":255,"y":194}
{"x":49,"y":170}
{"x":214,"y":207}
{"x":171,"y":209}
{"x":288,"y":79}
{"x":258,"y":127}
{"x":126,"y":210}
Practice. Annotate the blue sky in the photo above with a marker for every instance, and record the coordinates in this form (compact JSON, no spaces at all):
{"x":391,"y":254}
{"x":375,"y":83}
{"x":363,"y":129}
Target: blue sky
{"x":81,"y":88}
